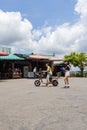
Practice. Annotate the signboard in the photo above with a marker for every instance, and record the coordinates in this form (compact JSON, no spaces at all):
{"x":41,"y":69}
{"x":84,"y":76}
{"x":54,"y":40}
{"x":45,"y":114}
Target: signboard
{"x":5,"y":49}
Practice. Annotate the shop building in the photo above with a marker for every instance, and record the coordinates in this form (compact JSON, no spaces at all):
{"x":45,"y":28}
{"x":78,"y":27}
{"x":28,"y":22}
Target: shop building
{"x":22,"y":65}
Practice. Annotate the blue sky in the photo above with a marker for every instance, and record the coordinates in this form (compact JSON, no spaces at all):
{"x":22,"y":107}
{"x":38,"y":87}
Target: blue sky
{"x":50,"y":12}
{"x":46,"y":27}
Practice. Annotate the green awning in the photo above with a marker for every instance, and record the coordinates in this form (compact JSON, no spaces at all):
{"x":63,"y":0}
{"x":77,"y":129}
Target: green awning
{"x":22,"y":55}
{"x":11,"y":57}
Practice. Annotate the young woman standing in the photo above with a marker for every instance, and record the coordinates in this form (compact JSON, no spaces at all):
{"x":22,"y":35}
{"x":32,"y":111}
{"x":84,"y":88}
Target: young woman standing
{"x":67,"y":74}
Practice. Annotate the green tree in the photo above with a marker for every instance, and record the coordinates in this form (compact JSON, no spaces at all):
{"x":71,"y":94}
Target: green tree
{"x":77,"y":59}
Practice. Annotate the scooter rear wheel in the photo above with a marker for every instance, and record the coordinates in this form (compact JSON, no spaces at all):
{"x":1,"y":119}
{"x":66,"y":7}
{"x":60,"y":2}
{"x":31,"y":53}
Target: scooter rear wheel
{"x":37,"y":82}
{"x":54,"y":82}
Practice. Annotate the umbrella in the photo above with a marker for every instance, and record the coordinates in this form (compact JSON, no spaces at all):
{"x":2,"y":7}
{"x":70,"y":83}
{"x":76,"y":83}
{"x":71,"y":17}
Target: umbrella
{"x":3,"y":54}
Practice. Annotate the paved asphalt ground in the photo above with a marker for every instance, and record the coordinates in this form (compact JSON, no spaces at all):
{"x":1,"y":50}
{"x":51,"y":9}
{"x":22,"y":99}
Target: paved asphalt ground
{"x":26,"y":107}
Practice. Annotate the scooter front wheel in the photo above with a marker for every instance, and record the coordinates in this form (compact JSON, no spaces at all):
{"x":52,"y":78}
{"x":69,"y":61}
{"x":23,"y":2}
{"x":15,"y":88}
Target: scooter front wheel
{"x":37,"y":82}
{"x":54,"y":82}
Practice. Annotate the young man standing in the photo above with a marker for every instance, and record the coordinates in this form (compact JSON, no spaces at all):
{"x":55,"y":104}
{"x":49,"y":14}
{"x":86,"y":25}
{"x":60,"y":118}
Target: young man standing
{"x":49,"y":74}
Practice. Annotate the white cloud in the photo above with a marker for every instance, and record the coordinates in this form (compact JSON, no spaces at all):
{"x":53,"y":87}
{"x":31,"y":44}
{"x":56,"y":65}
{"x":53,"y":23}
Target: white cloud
{"x":19,"y":34}
{"x":81,"y":8}
{"x":13,"y":28}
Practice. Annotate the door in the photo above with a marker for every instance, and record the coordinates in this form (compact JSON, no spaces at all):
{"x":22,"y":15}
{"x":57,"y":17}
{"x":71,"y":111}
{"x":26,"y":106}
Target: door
{"x":25,"y":72}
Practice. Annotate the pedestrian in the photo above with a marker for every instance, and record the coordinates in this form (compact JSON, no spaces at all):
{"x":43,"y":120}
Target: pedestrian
{"x":49,"y":74}
{"x":34,"y":71}
{"x":67,"y":74}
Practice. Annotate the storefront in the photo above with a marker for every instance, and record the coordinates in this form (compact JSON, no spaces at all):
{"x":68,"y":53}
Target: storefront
{"x":8,"y":67}
{"x":13,"y":66}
